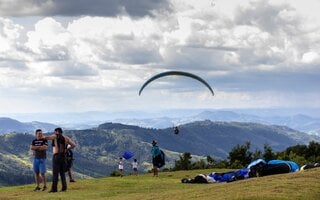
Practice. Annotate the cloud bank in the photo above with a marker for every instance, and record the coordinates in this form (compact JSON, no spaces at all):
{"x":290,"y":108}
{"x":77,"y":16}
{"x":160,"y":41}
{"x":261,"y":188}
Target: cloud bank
{"x":266,"y":55}
{"x":137,"y":8}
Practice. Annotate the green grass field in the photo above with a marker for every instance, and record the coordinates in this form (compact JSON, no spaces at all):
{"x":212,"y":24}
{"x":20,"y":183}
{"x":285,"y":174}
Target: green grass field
{"x":298,"y":185}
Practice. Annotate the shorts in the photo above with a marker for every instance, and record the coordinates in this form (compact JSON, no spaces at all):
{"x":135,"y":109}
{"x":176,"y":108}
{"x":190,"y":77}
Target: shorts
{"x":39,"y":166}
{"x":135,"y":169}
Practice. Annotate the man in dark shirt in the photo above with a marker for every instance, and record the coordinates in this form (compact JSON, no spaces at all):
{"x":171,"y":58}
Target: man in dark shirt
{"x":39,"y":147}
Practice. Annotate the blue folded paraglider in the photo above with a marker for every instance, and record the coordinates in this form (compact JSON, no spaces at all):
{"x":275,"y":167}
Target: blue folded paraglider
{"x":256,"y":168}
{"x":127,"y":154}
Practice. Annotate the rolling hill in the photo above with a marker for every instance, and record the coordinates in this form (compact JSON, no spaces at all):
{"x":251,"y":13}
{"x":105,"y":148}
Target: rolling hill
{"x":8,"y":125}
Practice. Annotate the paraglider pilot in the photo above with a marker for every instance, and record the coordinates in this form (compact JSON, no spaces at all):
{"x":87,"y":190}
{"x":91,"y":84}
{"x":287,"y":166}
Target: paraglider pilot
{"x":176,"y":130}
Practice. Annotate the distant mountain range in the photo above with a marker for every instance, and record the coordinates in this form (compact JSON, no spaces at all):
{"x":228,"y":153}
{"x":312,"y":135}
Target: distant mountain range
{"x":79,"y":121}
{"x":98,"y":149}
{"x":302,"y":119}
{"x":299,"y":122}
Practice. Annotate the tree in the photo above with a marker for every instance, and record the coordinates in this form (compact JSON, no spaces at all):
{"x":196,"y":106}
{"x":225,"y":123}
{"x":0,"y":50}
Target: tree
{"x":240,"y":155}
{"x":300,"y":160}
{"x":300,"y":150}
{"x":282,"y":155}
{"x":201,"y":164}
{"x":222,"y":164}
{"x":210,"y":161}
{"x":256,"y":154}
{"x":313,"y":151}
{"x":268,"y":153}
{"x":184,"y":163}
{"x":310,"y":152}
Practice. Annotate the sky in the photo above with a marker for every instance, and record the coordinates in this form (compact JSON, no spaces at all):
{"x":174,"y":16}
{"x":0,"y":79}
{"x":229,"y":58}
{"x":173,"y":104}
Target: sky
{"x":94,"y":55}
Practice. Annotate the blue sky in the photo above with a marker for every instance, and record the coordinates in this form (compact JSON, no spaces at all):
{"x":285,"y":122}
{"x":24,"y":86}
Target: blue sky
{"x":78,"y":55}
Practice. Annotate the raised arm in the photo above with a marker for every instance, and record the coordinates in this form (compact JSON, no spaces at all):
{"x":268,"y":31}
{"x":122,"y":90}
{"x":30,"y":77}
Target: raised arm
{"x":50,"y":137}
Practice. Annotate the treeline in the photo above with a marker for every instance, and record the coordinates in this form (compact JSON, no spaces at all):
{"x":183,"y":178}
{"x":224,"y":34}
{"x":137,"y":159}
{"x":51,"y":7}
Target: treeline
{"x":240,"y":156}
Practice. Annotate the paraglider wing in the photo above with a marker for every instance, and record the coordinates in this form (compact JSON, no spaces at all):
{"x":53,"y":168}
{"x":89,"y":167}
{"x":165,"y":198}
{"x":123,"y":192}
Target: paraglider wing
{"x":127,"y":154}
{"x":179,"y":73}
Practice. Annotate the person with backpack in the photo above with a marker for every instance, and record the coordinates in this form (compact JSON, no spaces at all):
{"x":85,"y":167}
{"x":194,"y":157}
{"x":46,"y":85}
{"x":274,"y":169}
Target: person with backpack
{"x":155,"y":151}
{"x":39,"y":148}
{"x":70,"y":160}
{"x":59,"y":165}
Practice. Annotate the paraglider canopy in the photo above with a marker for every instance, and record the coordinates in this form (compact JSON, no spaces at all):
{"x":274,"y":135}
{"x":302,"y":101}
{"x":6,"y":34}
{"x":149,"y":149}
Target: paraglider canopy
{"x":178,"y":73}
{"x":127,"y":154}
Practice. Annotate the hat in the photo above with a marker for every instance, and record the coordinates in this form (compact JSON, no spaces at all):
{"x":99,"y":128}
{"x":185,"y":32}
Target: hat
{"x":154,"y":142}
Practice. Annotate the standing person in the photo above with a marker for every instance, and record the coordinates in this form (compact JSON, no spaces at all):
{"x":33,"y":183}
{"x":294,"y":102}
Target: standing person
{"x":59,"y":145}
{"x":135,"y":167}
{"x":120,"y":166}
{"x":39,"y":146}
{"x":155,"y":151}
{"x":70,"y":163}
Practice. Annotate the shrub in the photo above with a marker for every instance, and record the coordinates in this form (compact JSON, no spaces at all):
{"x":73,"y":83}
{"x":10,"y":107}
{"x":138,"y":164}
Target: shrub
{"x":115,"y":173}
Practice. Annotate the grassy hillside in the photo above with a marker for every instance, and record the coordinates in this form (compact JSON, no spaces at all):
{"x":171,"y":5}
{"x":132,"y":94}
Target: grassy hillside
{"x":298,"y":185}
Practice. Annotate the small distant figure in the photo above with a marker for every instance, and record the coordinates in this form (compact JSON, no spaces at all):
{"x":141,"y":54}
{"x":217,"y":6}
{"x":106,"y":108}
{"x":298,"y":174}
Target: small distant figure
{"x":70,"y":160}
{"x":135,"y":167}
{"x":176,"y":130}
{"x":121,"y":166}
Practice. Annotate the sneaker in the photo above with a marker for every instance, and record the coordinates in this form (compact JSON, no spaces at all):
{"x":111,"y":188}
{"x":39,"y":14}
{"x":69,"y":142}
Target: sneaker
{"x":37,"y":188}
{"x":44,"y":188}
{"x":52,"y":191}
{"x":63,"y":190}
{"x":72,"y":181}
